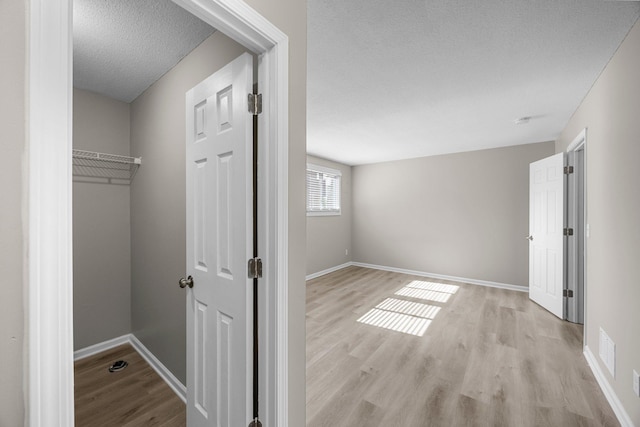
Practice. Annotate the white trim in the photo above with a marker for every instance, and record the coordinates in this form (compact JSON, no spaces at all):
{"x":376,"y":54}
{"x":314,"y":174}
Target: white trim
{"x":50,"y":399}
{"x":49,"y":251}
{"x":237,"y":20}
{"x":174,"y":383}
{"x":422,"y":274}
{"x":578,"y":143}
{"x":281,"y":231}
{"x":162,"y":370}
{"x":609,"y":393}
{"x":445,"y":277}
{"x":325,"y":213}
{"x":83,"y":353}
{"x":329,"y":270}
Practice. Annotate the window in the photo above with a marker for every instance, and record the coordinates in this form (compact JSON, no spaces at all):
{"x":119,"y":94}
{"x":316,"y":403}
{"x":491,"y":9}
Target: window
{"x":323,"y":191}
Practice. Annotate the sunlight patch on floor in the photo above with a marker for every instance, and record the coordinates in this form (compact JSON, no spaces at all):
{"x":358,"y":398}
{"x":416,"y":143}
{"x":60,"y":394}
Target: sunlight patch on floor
{"x":432,"y":286}
{"x":409,"y":307}
{"x":401,"y":316}
{"x":438,"y":292}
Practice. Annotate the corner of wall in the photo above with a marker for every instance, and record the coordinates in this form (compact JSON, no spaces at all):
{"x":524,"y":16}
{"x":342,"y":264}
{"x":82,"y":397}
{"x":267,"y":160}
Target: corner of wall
{"x":329,"y":238}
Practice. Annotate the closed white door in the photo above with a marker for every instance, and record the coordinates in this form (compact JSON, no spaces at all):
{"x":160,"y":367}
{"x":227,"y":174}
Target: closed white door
{"x":219,"y":243}
{"x":546,"y":226}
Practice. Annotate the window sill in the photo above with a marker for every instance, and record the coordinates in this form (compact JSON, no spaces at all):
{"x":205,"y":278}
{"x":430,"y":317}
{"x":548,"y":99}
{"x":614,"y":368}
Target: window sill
{"x":327,"y":213}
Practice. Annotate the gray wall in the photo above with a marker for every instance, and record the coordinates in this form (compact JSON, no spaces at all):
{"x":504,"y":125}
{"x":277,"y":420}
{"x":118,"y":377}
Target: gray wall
{"x":329,"y":236}
{"x":611,"y":112}
{"x":13,"y":211}
{"x":101,"y":227}
{"x":158,"y":203}
{"x":463,"y":215}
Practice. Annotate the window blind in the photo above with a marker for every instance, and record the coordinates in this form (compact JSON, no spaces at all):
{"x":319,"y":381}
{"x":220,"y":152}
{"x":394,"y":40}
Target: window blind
{"x":323,"y":190}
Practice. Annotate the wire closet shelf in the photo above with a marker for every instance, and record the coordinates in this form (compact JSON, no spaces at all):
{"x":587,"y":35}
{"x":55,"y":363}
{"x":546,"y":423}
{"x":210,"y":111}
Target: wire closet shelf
{"x":101,"y":167}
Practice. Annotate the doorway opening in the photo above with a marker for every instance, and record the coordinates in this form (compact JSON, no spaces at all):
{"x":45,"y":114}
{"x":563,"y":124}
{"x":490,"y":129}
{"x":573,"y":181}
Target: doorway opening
{"x":50,"y":363}
{"x":129,"y":110}
{"x":576,"y":220}
{"x":558,"y":231}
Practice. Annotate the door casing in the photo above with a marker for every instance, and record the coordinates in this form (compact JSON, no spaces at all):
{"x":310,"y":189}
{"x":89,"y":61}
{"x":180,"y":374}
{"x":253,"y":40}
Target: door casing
{"x":575,"y":245}
{"x":49,"y":279}
{"x":576,"y":257}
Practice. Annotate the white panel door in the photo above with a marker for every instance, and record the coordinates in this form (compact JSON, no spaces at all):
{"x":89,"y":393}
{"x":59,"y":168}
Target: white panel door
{"x":219,"y":243}
{"x":546,"y":241}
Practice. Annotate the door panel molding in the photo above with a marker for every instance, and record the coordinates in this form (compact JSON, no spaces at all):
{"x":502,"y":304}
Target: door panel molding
{"x":546,"y":243}
{"x":218,"y":306}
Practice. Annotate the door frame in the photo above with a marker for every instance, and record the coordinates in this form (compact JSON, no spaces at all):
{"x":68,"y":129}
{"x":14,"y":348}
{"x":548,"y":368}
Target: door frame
{"x":49,"y":379}
{"x":580,"y":143}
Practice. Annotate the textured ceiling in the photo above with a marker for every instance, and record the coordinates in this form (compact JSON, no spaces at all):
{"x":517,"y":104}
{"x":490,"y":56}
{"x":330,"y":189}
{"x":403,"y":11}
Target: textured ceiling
{"x":121,"y":47}
{"x":392,"y":80}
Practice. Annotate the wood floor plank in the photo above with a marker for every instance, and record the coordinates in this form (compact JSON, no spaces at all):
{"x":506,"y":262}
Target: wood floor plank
{"x":135,"y":396}
{"x":488,"y":357}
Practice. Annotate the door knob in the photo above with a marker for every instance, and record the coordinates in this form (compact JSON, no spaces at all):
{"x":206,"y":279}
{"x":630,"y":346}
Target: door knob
{"x":186,"y":282}
{"x":529,"y":238}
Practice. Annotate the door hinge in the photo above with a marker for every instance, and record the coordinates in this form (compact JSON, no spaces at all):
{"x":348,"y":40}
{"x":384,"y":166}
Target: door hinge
{"x":568,"y":170}
{"x":568,"y":232}
{"x":255,"y":268}
{"x":255,"y":103}
{"x":568,"y":293}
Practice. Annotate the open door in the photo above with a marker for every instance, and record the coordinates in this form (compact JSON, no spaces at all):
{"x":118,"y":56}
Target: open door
{"x":546,"y":233}
{"x":219,"y":243}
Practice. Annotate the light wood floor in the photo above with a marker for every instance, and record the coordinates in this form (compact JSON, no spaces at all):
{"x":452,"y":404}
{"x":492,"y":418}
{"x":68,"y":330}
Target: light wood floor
{"x":489,"y":357}
{"x":135,"y":396}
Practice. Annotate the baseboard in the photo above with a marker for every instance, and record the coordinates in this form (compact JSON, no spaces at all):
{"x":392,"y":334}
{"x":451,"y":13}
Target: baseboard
{"x":329,"y":270}
{"x":609,"y":393}
{"x":175,"y":384}
{"x":445,"y":277}
{"x":100,"y":347}
{"x":162,"y":370}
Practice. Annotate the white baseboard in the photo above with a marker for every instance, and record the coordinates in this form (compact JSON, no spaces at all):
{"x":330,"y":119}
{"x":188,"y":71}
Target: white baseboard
{"x":162,"y":370}
{"x":609,"y":393}
{"x":329,"y":270}
{"x":173,"y":382}
{"x":445,"y":277}
{"x":100,"y":347}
